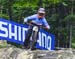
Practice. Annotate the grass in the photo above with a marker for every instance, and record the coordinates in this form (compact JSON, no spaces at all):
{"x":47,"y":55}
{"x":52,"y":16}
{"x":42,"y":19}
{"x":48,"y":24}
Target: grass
{"x":73,"y":45}
{"x":3,"y":45}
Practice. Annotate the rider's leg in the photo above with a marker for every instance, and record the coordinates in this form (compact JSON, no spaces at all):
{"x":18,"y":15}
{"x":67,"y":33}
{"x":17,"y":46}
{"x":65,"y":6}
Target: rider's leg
{"x":27,"y":38}
{"x":35,"y":36}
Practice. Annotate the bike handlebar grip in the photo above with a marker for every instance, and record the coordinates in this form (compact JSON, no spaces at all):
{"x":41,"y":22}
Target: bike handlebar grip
{"x":29,"y":21}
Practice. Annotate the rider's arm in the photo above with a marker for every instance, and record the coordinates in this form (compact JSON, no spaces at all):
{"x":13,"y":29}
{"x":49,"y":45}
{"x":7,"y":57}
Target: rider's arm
{"x":29,"y":18}
{"x":46,"y":24}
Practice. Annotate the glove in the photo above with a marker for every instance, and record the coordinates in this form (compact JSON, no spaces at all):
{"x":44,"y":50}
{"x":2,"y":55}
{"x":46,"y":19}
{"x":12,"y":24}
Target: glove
{"x":29,"y":21}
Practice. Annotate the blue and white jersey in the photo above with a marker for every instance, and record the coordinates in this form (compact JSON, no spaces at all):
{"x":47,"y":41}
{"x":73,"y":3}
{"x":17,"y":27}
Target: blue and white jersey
{"x":36,"y":20}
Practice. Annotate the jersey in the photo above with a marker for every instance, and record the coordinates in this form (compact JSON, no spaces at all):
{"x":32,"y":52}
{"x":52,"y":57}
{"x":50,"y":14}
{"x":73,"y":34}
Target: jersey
{"x":38,"y":21}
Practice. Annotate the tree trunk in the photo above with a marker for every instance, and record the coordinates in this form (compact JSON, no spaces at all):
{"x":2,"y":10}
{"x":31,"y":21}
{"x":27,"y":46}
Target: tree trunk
{"x":40,"y":3}
{"x":10,"y":13}
{"x":10,"y":2}
{"x":70,"y":35}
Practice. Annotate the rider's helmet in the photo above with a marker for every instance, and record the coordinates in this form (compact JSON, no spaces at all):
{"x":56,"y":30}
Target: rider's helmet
{"x":41,"y":12}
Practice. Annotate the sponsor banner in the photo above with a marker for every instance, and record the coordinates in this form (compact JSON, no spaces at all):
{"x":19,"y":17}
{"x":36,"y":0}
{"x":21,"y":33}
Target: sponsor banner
{"x":15,"y":32}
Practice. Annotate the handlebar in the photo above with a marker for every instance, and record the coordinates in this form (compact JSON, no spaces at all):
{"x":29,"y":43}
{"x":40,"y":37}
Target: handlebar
{"x":30,"y":23}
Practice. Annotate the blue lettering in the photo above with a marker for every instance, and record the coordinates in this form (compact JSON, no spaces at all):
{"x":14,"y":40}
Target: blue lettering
{"x":3,"y":29}
{"x":24,"y":30}
{"x":44,"y":37}
{"x":12,"y":33}
{"x":15,"y":32}
{"x":39,"y":41}
{"x":49,"y":43}
{"x":19,"y":33}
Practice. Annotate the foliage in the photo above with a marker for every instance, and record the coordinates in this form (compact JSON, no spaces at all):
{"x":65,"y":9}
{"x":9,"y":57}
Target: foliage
{"x":59,"y":12}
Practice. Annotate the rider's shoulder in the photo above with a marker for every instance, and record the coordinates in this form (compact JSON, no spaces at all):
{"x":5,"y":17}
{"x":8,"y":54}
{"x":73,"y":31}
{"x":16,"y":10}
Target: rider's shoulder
{"x":35,"y":15}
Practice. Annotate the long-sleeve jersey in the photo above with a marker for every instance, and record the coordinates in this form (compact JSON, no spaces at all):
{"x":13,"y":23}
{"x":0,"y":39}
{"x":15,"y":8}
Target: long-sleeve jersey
{"x":38,"y":21}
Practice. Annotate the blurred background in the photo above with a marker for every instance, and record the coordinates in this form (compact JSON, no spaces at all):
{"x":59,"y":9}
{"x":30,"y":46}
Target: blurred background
{"x":60,"y":15}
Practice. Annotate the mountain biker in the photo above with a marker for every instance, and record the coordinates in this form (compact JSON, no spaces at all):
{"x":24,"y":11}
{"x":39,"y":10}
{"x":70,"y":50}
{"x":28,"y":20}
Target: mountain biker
{"x":38,"y":19}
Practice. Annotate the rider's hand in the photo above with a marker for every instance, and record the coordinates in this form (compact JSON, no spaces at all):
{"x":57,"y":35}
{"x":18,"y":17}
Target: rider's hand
{"x":29,"y":21}
{"x":46,"y":28}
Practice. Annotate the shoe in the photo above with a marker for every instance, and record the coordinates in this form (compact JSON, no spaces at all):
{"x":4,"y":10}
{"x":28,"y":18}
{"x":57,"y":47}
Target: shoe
{"x":33,"y":49}
{"x":24,"y":47}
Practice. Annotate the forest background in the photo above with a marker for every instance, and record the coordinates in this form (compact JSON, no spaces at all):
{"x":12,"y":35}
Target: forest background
{"x":60,"y":15}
